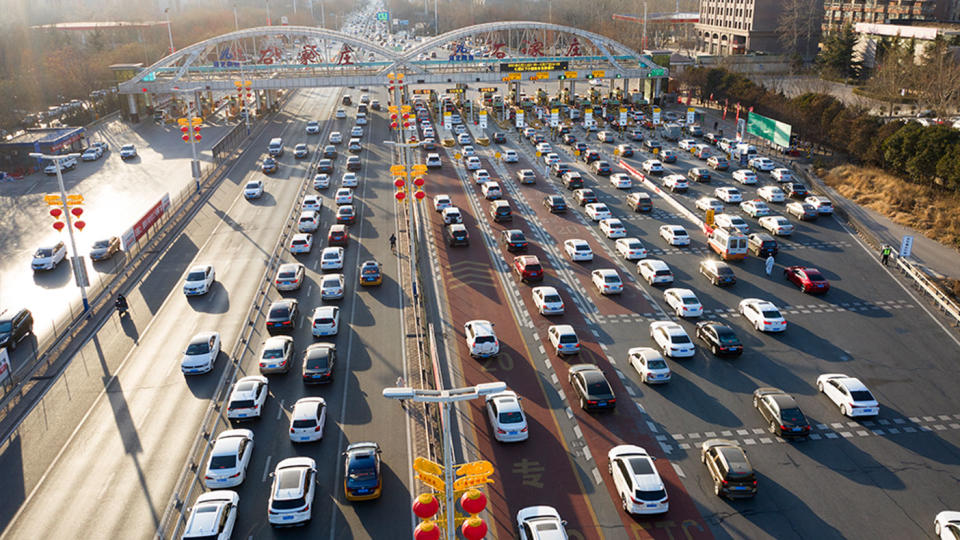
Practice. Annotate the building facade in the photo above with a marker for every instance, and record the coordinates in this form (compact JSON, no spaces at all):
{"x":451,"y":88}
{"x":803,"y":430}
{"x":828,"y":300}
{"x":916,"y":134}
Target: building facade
{"x":738,"y":27}
{"x":838,"y":12}
{"x":869,"y":36}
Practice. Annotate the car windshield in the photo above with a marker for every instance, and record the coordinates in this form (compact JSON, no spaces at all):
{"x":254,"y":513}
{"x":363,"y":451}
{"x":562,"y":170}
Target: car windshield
{"x":771,"y":314}
{"x":657,"y":364}
{"x":43,"y":252}
{"x":223,"y":462}
{"x":196,"y":276}
{"x":279,"y":312}
{"x":679,"y":232}
{"x":270,"y":354}
{"x":794,"y":416}
{"x":101,"y":244}
{"x":814,"y":276}
{"x":331,"y":282}
{"x":202,"y":347}
{"x":6,"y":326}
{"x":663,"y":273}
{"x":361,"y":471}
{"x":552,"y":298}
{"x":861,"y":395}
{"x":513,"y":417}
{"x":331,"y":255}
{"x":532,"y":268}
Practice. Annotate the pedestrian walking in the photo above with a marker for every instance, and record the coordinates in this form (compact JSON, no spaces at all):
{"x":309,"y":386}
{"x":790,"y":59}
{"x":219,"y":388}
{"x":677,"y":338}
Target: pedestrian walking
{"x":885,"y":252}
{"x":769,"y":266}
{"x":715,"y":125}
{"x":401,"y":384}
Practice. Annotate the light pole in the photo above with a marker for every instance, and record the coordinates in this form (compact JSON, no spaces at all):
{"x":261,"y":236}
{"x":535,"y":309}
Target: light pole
{"x":446,"y":398}
{"x":169,"y":31}
{"x":194,"y":118}
{"x":77,"y":260}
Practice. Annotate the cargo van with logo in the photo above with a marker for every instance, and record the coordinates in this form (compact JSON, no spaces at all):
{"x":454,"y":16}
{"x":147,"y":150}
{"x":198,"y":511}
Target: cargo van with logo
{"x":730,"y":245}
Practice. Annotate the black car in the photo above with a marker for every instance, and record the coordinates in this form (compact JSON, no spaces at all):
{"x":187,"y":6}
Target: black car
{"x":282,"y":316}
{"x":652,"y":144}
{"x":796,"y":190}
{"x":499,"y":138}
{"x":640,"y":202}
{"x":699,"y":174}
{"x":514,"y":239}
{"x":318,"y":362}
{"x":555,"y":204}
{"x":589,"y":156}
{"x":718,"y":272}
{"x":572,"y":180}
{"x":781,"y":411}
{"x":591,"y":387}
{"x":762,"y":245}
{"x":585,"y":196}
{"x":330,"y":151}
{"x":325,"y":166}
{"x":14,"y":326}
{"x":720,"y":338}
{"x":602,"y":168}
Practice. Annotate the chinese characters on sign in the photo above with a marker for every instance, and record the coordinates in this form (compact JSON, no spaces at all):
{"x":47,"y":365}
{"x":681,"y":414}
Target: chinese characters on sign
{"x":461,"y":54}
{"x":513,"y":67}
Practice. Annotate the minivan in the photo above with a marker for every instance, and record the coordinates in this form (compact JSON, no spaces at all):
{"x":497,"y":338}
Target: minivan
{"x":275,"y":147}
{"x":500,"y":211}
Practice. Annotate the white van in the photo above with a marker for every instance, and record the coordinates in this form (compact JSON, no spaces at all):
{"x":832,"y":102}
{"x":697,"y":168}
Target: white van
{"x":275,"y":147}
{"x":730,"y":245}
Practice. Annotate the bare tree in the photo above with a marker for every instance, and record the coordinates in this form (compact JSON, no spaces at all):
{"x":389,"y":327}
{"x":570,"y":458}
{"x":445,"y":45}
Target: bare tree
{"x":893,"y":75}
{"x":939,"y":79}
{"x":799,"y":26}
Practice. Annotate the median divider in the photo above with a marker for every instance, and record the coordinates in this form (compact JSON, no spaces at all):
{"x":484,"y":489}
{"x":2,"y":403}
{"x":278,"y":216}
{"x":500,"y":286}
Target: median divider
{"x":704,"y":228}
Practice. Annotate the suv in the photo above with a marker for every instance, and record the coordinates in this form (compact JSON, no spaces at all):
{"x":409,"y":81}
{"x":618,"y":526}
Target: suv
{"x":456,"y":234}
{"x":572,"y":180}
{"x":762,"y":245}
{"x":528,"y":268}
{"x":14,"y":326}
{"x":729,"y":468}
{"x":481,"y":339}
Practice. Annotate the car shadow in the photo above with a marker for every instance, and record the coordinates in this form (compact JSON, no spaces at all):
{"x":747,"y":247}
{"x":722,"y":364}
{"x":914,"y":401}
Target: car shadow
{"x":846,"y":459}
{"x":267,"y":199}
{"x":687,"y":394}
{"x":56,"y":278}
{"x":217,"y":300}
{"x":925,"y":443}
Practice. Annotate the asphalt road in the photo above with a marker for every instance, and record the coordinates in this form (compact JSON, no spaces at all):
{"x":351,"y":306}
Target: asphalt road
{"x":131,"y":446}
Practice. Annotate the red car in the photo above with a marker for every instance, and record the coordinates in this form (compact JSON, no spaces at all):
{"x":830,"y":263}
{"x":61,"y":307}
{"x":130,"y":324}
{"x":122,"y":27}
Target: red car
{"x":810,"y":280}
{"x":337,"y":235}
{"x":528,"y":268}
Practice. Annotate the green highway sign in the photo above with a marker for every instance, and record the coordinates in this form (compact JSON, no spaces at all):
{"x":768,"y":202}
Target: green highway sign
{"x":767,"y":128}
{"x":383,"y":16}
{"x":657,"y":72}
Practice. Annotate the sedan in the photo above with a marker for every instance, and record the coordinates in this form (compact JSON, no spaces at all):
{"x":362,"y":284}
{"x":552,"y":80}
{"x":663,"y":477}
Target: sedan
{"x":631,"y":249}
{"x":728,"y":194}
{"x":718,"y":272}
{"x":621,"y":181}
{"x":247,"y":398}
{"x":612,"y":228}
{"x":506,"y":417}
{"x":763,"y":315}
{"x":597,"y":211}
{"x":301,"y":243}
{"x":745,"y":176}
{"x":555,"y":204}
{"x":289,"y":277}
{"x":344,"y":196}
{"x":269,"y":166}
{"x":849,"y":394}
{"x":649,"y":364}
{"x":540,"y":523}
{"x":802,"y":211}
{"x":201,"y":353}
{"x":370,"y":273}
{"x":732,"y":222}
{"x":213,"y":515}
{"x":199,"y":280}
{"x":335,"y":137}
{"x":300,"y":151}
{"x":330,"y":151}
{"x":709,"y":203}
{"x":345,"y":214}
{"x":699,"y":175}
{"x":105,"y":248}
{"x":683,"y":302}
{"x":720,"y":338}
{"x":229,"y":458}
{"x":755,"y":208}
{"x":607,"y":281}
{"x":672,"y":339}
{"x":282,"y":316}
{"x":781,"y":411}
{"x":547,"y":301}
{"x":676,"y":183}
{"x":947,"y":525}
{"x":675,"y":235}
{"x":325,"y":321}
{"x":782,"y":175}
{"x":277,"y":353}
{"x":308,"y":419}
{"x":515,"y":240}
{"x":325,"y":166}
{"x":321,"y":181}
{"x":591,"y":387}
{"x":441,"y":201}
{"x":253,"y":189}
{"x":654,"y":271}
{"x":331,"y":287}
{"x":526,"y":176}
{"x":653,"y":166}
{"x":777,"y":225}
{"x":349,"y":180}
{"x":585,"y":196}
{"x":128,"y":151}
{"x":822,"y":204}
{"x":363,"y":478}
{"x":810,"y":280}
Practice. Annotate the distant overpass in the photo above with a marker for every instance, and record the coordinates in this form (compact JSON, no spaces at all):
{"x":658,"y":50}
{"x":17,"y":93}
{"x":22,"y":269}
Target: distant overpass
{"x":660,"y":18}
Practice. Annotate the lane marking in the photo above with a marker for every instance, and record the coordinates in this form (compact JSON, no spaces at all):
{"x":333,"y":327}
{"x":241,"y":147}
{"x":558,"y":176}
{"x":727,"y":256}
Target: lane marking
{"x":266,"y":469}
{"x":680,"y":472}
{"x":280,"y":411}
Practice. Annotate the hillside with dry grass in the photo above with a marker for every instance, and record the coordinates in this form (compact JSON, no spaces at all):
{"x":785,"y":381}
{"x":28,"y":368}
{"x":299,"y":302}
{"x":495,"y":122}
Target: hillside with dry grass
{"x":933,"y":212}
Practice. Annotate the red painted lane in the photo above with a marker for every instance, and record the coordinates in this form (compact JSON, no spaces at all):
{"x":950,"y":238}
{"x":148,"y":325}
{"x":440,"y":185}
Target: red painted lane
{"x":528,"y":473}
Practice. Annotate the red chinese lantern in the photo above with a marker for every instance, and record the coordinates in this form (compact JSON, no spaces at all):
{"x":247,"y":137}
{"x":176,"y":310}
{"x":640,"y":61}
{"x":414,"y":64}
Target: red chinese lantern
{"x":400,"y":195}
{"x":56,"y":212}
{"x":186,"y":138}
{"x":427,"y":530}
{"x":426,"y":506}
{"x":474,"y":528}
{"x":198,"y":136}
{"x":76,"y":211}
{"x":393,"y":125}
{"x":418,"y":181}
{"x":80,"y":225}
{"x":398,"y":182}
{"x":419,"y":195}
{"x":473,"y":501}
{"x":406,"y":124}
{"x":59,"y":225}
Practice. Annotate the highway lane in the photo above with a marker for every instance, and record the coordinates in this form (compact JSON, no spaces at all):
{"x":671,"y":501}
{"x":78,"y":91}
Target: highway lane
{"x":129,"y":449}
{"x":368,"y":360}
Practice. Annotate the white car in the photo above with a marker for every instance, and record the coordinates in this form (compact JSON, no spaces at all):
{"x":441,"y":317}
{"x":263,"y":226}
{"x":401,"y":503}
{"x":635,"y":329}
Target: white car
{"x":491,"y":191}
{"x":506,"y":417}
{"x":607,"y":281}
{"x":637,"y":481}
{"x":464,"y":138}
{"x":728,"y":194}
{"x":433,"y":161}
{"x":357,"y":131}
{"x":755,"y":208}
{"x":541,"y":523}
{"x":782,"y":175}
{"x":451,"y":214}
{"x":480,"y":176}
{"x":468,"y":151}
{"x":247,"y":398}
{"x":309,"y":221}
{"x":848,"y":393}
{"x":331,"y":287}
{"x":201,"y":353}
{"x":653,"y":166}
{"x":544,"y":148}
{"x":289,"y":277}
{"x":605,"y":136}
{"x":547,"y":300}
{"x":481,"y":339}
{"x":349,"y":179}
{"x":621,"y":181}
{"x":551,"y":158}
{"x":675,"y":235}
{"x":762,"y":164}
{"x":510,"y":156}
{"x":325,"y":321}
{"x":822,"y":204}
{"x":649,"y":364}
{"x":709,"y":203}
{"x":313,"y":127}
{"x":687,"y":144}
{"x":578,"y":250}
{"x":308,"y":419}
{"x":291,"y":495}
{"x":745,"y":176}
{"x":213,"y":516}
{"x":441,"y":201}
{"x":676,"y":182}
{"x":331,"y":258}
{"x":947,"y":523}
{"x":66,"y":164}
{"x":563,"y":338}
{"x":684,"y":302}
{"x":472,"y":163}
{"x":335,"y":137}
{"x":321,"y":181}
{"x":48,"y":257}
{"x":631,"y":249}
{"x":344,"y":196}
{"x":654,"y":271}
{"x":731,"y":222}
{"x":311,"y":202}
{"x":341,"y":114}
{"x":597,"y":211}
{"x":128,"y":151}
{"x":672,"y":339}
{"x":361,"y":119}
{"x":612,"y":228}
{"x":91,"y":154}
{"x":777,"y":225}
{"x":276,"y":355}
{"x":229,"y":457}
{"x":772,"y":194}
{"x":301,"y":243}
{"x":763,"y":315}
{"x":199,"y":280}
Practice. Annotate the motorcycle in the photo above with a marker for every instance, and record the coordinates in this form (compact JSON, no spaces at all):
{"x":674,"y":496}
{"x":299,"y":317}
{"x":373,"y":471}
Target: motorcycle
{"x":121,"y":309}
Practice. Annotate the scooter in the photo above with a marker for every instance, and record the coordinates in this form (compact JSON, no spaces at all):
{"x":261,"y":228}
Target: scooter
{"x":121,"y":309}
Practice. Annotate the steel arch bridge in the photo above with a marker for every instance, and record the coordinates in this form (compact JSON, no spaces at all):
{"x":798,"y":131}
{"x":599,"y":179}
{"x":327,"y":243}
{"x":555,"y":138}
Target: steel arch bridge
{"x":273,"y":57}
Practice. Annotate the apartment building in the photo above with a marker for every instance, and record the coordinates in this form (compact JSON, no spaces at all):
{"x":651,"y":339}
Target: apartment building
{"x":838,"y":12}
{"x":738,"y":26}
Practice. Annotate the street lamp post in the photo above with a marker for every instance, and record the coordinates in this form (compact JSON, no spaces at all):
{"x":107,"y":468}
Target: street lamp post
{"x":192,"y":114}
{"x":446,"y":398}
{"x":169,"y":30}
{"x":77,"y":260}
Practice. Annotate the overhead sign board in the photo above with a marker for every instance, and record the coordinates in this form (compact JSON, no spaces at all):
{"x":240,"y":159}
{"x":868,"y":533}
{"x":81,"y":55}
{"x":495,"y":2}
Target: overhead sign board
{"x":383,"y":16}
{"x":767,"y":128}
{"x":514,"y":67}
{"x":570,"y":74}
{"x":455,"y":90}
{"x":485,"y":90}
{"x":519,"y":118}
{"x":422,"y":91}
{"x":658,"y":72}
{"x":598,"y":73}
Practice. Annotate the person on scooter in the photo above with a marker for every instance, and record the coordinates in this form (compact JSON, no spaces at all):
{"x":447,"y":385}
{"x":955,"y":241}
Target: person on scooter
{"x":121,"y":303}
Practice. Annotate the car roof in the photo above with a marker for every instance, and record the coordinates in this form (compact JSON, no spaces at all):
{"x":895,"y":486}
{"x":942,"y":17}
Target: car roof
{"x":655,"y":264}
{"x":289,"y":267}
{"x":563,"y":328}
{"x":480,"y":326}
{"x":228,"y":442}
{"x":321,"y":311}
{"x":307,"y":407}
{"x":196,"y":268}
{"x":202,"y":337}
